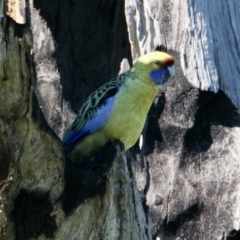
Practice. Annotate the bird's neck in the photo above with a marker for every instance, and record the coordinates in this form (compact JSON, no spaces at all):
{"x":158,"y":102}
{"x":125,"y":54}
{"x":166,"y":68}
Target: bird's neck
{"x":140,"y":89}
{"x":143,"y":76}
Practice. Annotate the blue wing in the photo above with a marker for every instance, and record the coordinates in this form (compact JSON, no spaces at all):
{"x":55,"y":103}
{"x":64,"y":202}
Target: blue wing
{"x":98,"y":120}
{"x":93,"y":115}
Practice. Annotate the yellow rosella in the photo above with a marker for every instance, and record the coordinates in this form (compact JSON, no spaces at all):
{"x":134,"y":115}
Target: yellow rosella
{"x":118,"y":109}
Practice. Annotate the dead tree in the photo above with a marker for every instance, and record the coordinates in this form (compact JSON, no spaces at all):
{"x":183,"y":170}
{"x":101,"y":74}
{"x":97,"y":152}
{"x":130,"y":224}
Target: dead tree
{"x":182,"y":184}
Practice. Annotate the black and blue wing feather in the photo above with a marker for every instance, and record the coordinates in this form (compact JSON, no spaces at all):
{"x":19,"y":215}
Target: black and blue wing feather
{"x":94,"y":113}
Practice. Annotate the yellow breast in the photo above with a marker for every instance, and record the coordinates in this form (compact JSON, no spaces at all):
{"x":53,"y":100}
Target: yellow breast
{"x":129,"y":113}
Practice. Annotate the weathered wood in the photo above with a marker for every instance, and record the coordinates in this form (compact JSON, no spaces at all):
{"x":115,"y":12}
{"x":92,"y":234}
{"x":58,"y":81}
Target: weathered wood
{"x":207,"y":37}
{"x":48,"y":86}
{"x":30,"y":154}
{"x":190,"y":175}
{"x":109,"y":203}
{"x":16,"y":10}
{"x":190,"y":157}
{"x":38,"y":181}
{"x":191,"y":190}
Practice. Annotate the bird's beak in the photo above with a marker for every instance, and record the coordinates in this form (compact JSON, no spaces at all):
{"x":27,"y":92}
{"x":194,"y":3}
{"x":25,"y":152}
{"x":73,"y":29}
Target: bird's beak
{"x":172,"y":71}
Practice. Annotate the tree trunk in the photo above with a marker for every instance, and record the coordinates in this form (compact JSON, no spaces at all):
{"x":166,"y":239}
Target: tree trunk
{"x":182,"y":184}
{"x":30,"y":153}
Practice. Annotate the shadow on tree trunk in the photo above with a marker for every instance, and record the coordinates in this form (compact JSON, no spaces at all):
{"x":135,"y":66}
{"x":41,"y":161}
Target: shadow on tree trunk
{"x":89,"y":179}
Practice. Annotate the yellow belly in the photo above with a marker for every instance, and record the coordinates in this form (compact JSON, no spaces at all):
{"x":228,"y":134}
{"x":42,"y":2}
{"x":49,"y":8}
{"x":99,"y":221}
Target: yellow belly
{"x":126,"y":122}
{"x":129,"y":113}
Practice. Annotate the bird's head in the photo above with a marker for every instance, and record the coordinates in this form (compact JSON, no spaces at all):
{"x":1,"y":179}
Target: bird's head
{"x":155,"y":68}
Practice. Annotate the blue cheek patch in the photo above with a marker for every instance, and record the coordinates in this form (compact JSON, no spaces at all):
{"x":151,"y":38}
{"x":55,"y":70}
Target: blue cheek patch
{"x":159,"y":76}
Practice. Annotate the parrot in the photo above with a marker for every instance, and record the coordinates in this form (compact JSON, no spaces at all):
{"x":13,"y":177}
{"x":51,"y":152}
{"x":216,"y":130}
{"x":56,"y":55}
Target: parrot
{"x":118,"y":109}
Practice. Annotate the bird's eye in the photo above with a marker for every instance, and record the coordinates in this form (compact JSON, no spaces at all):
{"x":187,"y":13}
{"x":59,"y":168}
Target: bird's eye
{"x":157,"y":63}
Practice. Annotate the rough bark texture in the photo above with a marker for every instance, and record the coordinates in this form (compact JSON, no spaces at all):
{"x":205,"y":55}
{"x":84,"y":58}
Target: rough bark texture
{"x":107,"y":200}
{"x":188,"y":170}
{"x":29,"y":150}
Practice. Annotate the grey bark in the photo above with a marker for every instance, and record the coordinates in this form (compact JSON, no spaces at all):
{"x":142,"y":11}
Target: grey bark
{"x":187,"y":172}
